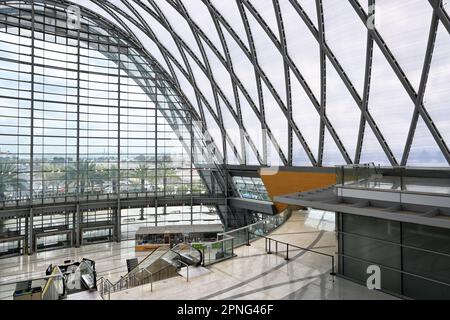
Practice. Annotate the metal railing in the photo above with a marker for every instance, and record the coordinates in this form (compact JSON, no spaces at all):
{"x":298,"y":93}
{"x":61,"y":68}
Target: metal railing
{"x":262,"y":227}
{"x":356,"y":173}
{"x":268,"y":249}
{"x":216,"y":251}
{"x":140,"y":275}
{"x":223,"y":247}
{"x":394,"y":179}
{"x":53,"y":286}
{"x":10,"y":201}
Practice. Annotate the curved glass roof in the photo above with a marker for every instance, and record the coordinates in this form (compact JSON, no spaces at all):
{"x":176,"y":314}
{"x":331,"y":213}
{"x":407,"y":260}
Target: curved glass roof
{"x":305,"y":82}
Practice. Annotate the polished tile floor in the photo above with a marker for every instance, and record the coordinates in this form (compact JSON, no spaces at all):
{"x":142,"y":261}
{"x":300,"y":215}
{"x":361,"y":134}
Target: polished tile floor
{"x":110,"y":260}
{"x":253,"y":274}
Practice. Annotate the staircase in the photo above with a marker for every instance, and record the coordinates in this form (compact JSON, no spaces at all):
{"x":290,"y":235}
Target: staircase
{"x":160,"y":264}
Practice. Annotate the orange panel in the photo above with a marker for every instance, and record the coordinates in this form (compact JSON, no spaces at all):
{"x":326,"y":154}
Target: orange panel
{"x":295,"y":181}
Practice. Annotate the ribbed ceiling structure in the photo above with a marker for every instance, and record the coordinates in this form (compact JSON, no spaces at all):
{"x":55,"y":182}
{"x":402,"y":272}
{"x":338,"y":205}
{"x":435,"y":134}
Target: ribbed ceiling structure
{"x":305,"y":82}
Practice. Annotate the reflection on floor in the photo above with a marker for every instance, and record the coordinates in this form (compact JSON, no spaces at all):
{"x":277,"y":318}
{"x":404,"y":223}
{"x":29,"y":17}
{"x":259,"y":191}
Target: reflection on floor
{"x":251,"y":275}
{"x":110,"y":260}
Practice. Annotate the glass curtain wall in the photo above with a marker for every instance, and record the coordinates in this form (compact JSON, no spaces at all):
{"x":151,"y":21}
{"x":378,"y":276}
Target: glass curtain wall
{"x":413,"y":259}
{"x":85,"y":114}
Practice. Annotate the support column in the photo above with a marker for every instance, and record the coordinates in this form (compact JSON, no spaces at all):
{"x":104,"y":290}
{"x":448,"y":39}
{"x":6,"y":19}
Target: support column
{"x":156,"y":149}
{"x":77,"y":227}
{"x":29,"y":245}
{"x":156,"y":212}
{"x":191,"y":129}
{"x":77,"y":216}
{"x":117,"y":213}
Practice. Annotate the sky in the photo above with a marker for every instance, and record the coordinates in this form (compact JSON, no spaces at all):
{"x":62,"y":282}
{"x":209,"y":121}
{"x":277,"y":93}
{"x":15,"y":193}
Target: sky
{"x":404,"y":26}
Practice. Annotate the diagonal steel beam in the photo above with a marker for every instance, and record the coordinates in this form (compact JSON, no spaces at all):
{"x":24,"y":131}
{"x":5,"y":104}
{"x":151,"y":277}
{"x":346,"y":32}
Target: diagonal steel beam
{"x":227,"y":138}
{"x":442,"y":14}
{"x":210,"y":78}
{"x":323,"y":79}
{"x":403,"y":80}
{"x":287,"y":78}
{"x":264,"y":77}
{"x":422,"y":86}
{"x":195,"y":58}
{"x":301,"y":12}
{"x":300,"y":78}
{"x":367,"y":78}
{"x":111,"y":9}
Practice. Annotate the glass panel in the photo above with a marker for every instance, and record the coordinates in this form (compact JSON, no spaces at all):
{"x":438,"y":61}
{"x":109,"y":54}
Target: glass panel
{"x":187,"y":89}
{"x":311,"y":10}
{"x":422,"y":289}
{"x":231,"y":157}
{"x":230,"y":11}
{"x":429,"y":264}
{"x":269,"y":58}
{"x":231,"y":127}
{"x":124,"y":8}
{"x":359,"y":242}
{"x":252,"y":125}
{"x":437,"y":93}
{"x":305,"y":116}
{"x":371,"y":150}
{"x":405,"y":25}
{"x":203,"y":83}
{"x":426,"y":237}
{"x":347,"y":37}
{"x":214,"y":131}
{"x":389,"y":104}
{"x":95,"y":8}
{"x":266,"y":10}
{"x":220,"y":75}
{"x":165,"y":38}
{"x":299,"y":156}
{"x":156,"y":53}
{"x":342,"y":111}
{"x":179,"y":25}
{"x":364,"y":4}
{"x":199,"y":12}
{"x":372,"y":250}
{"x":251,"y":188}
{"x":331,"y":154}
{"x":372,"y":227}
{"x":302,"y":46}
{"x":275,"y":119}
{"x":150,"y":138}
{"x":424,"y":150}
{"x":242,"y":67}
{"x":357,"y":270}
{"x":250,"y":155}
{"x":273,"y":155}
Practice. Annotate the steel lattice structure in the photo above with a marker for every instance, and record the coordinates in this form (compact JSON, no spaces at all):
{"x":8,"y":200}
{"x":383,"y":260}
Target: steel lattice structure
{"x":208,"y":47}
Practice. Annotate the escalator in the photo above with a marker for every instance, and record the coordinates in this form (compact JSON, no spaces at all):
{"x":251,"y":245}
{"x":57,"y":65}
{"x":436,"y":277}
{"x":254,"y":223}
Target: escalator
{"x":160,"y":264}
{"x":60,"y":282}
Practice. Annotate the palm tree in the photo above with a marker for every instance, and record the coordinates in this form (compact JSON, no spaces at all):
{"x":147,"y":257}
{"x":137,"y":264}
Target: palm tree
{"x":52,"y":174}
{"x":113,"y":176}
{"x":9,"y":178}
{"x":143,"y":172}
{"x":88,"y":174}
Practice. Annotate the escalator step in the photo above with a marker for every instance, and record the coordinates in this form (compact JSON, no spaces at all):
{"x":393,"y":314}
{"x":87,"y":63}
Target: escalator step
{"x":131,"y":264}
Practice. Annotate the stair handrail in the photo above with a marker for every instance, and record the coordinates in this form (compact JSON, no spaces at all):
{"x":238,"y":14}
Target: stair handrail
{"x":333,"y":273}
{"x":124,"y":282}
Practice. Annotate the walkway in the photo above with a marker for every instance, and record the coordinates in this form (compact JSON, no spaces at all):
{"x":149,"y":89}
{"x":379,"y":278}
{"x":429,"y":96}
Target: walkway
{"x":110,"y":261}
{"x":253,"y":274}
